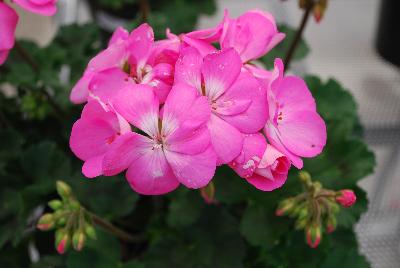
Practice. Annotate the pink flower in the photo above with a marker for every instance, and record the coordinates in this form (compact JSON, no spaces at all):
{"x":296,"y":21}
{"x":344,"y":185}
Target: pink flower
{"x":294,"y":126}
{"x":93,"y":134}
{"x":130,"y":57}
{"x":236,"y":98}
{"x":261,"y":164}
{"x":41,"y":7}
{"x":8,"y":23}
{"x":175,"y":145}
{"x":346,"y":198}
{"x":252,"y":35}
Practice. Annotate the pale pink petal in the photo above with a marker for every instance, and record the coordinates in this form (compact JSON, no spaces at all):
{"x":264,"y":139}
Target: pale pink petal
{"x":93,"y":167}
{"x":106,"y":84}
{"x":226,"y":140}
{"x":246,"y":88}
{"x":303,"y":133}
{"x":219,"y":71}
{"x":188,"y":68}
{"x":193,"y":171}
{"x":45,"y":8}
{"x":119,"y":34}
{"x":254,"y":146}
{"x":141,"y":41}
{"x":8,"y":23}
{"x":138,"y":105}
{"x":150,"y":174}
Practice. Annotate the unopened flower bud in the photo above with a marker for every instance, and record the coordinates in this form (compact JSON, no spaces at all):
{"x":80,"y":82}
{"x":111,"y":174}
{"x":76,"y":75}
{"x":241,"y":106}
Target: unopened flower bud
{"x":62,"y":241}
{"x":63,"y":189}
{"x":285,"y":207}
{"x":91,"y":233}
{"x":319,"y":10}
{"x":78,"y":240}
{"x":305,"y":177}
{"x":208,"y":193}
{"x":313,"y":235}
{"x":46,"y":222}
{"x":331,"y":224}
{"x":55,"y":204}
{"x":346,"y":198}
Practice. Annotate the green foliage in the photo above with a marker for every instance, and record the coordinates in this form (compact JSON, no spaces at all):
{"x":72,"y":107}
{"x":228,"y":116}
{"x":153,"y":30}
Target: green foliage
{"x":180,"y":230}
{"x":282,"y":48}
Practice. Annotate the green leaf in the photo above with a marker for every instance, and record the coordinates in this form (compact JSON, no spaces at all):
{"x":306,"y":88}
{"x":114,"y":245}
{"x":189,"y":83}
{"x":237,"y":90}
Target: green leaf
{"x":184,"y":208}
{"x":261,"y":227}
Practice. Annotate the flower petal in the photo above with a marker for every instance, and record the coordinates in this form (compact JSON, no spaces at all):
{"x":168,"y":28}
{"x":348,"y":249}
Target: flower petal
{"x":219,"y":71}
{"x":193,"y":171}
{"x":246,"y":163}
{"x":186,"y":109}
{"x":47,"y":8}
{"x":247,"y":88}
{"x":93,"y":166}
{"x":119,"y":34}
{"x":92,"y":135}
{"x":272,"y":171}
{"x":303,"y":133}
{"x":252,"y":35}
{"x":141,"y":41}
{"x":8,"y":23}
{"x":106,"y":84}
{"x":150,"y":174}
{"x":124,"y":151}
{"x":188,"y":68}
{"x":139,"y":105}
{"x":80,"y":92}
{"x":226,"y":140}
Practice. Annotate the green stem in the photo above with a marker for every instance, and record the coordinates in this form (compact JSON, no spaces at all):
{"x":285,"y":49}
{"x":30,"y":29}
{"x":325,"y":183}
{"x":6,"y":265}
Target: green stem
{"x":297,"y":38}
{"x":115,"y":230}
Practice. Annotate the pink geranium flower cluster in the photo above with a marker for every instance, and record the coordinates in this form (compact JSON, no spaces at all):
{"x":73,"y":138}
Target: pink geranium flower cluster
{"x":9,"y":20}
{"x":170,"y":111}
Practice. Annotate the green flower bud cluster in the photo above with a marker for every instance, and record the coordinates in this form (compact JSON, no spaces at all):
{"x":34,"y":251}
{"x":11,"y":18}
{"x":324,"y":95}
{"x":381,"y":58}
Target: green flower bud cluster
{"x":71,"y":222}
{"x":315,"y":210}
